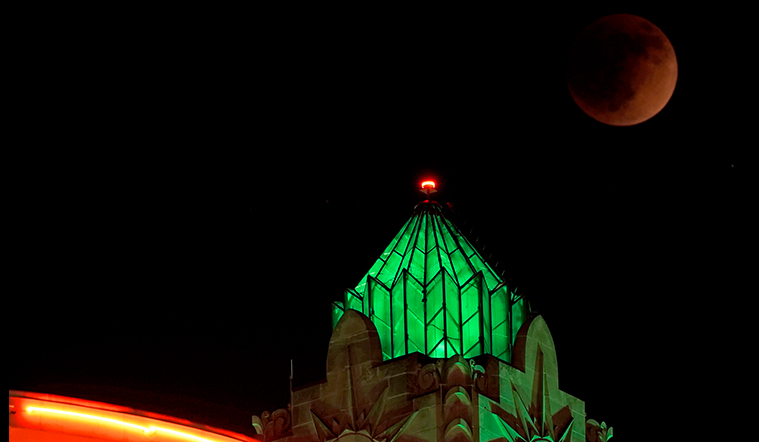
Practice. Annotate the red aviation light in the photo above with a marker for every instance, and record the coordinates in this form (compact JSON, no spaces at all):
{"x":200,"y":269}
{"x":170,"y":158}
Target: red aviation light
{"x":428,"y":185}
{"x":428,"y":188}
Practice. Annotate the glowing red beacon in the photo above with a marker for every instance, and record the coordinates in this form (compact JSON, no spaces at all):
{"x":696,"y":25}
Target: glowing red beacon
{"x":428,"y":187}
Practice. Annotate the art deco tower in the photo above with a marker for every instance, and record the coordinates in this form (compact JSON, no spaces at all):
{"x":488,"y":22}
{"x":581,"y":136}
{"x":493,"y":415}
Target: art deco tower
{"x":432,"y":345}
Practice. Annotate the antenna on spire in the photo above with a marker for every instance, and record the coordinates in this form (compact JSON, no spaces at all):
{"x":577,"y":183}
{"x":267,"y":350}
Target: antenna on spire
{"x":428,"y":187}
{"x":291,"y":389}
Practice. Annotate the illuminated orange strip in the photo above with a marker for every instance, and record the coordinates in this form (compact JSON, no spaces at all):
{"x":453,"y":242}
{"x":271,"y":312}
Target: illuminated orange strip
{"x":89,"y":416}
{"x":427,"y":184}
{"x":147,"y":430}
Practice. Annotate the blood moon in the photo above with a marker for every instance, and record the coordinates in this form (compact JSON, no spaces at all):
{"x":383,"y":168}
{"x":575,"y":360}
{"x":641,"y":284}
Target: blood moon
{"x":622,"y":70}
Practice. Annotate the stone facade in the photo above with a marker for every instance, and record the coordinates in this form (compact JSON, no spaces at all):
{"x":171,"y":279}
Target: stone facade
{"x":416,"y":398}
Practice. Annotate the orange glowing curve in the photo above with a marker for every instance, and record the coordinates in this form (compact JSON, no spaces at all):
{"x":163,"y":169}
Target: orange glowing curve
{"x":148,"y":430}
{"x":428,"y":184}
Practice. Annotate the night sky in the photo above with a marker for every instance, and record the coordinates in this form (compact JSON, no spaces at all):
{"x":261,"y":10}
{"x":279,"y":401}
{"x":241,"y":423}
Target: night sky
{"x":201,"y":185}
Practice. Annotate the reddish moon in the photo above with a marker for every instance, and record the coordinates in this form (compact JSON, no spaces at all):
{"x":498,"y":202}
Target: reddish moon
{"x":622,"y":70}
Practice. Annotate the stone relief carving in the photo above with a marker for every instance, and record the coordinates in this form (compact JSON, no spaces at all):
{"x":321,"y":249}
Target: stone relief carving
{"x":429,"y":376}
{"x":273,"y":425}
{"x":479,"y":377}
{"x":356,"y":426}
{"x":453,"y":378}
{"x":595,"y":432}
{"x":536,"y":421}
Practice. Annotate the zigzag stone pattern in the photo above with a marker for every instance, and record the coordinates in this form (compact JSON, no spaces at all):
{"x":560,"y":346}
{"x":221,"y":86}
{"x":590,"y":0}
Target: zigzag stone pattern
{"x":416,"y":398}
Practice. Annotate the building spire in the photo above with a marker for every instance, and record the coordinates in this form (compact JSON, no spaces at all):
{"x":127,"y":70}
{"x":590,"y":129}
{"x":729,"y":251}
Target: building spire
{"x":431,"y":291}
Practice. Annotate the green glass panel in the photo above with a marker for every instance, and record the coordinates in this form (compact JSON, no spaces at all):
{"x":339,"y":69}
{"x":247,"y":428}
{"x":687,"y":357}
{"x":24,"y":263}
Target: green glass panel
{"x":379,"y":270}
{"x":399,"y":318}
{"x":452,"y":314}
{"x":518,"y":316}
{"x":354,"y":301}
{"x":470,"y":311}
{"x":412,"y":341}
{"x":416,"y":267}
{"x":476,"y":263}
{"x":434,"y":309}
{"x":338,"y":309}
{"x":440,"y":237}
{"x":380,"y":315}
{"x":391,"y":268}
{"x":451,"y":348}
{"x":415,"y":315}
{"x":472,"y":351}
{"x":405,"y":264}
{"x":491,"y":280}
{"x":373,"y":272}
{"x":399,"y":239}
{"x":450,"y":247}
{"x":445,"y":261}
{"x":499,"y":313}
{"x":429,"y":234}
{"x":375,"y":269}
{"x":463,"y":272}
{"x":465,"y":246}
{"x":444,"y":239}
{"x":438,"y":349}
{"x":486,"y":320}
{"x":405,"y":237}
{"x":433,"y":264}
{"x":471,"y":305}
{"x":405,"y":249}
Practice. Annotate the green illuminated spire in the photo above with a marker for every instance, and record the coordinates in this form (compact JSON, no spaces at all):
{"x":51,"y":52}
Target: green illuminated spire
{"x":431,"y":292}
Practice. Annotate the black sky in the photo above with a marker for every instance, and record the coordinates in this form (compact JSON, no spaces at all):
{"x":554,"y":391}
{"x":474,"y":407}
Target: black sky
{"x":204,"y":185}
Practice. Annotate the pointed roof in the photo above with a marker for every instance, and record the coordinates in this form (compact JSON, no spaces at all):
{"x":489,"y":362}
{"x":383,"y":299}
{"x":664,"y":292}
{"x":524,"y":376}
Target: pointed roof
{"x":431,"y":291}
{"x":427,"y":243}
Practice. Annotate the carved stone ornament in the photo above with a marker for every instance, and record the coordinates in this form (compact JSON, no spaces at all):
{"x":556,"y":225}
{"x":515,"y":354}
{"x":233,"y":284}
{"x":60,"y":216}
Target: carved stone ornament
{"x":536,"y":422}
{"x":273,"y":425}
{"x":429,"y":377}
{"x":352,"y":360}
{"x":479,"y":377}
{"x":595,"y":432}
{"x":357,"y":427}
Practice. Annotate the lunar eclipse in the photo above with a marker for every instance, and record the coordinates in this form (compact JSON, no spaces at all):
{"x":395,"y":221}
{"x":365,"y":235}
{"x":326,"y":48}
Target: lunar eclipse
{"x":622,"y":70}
